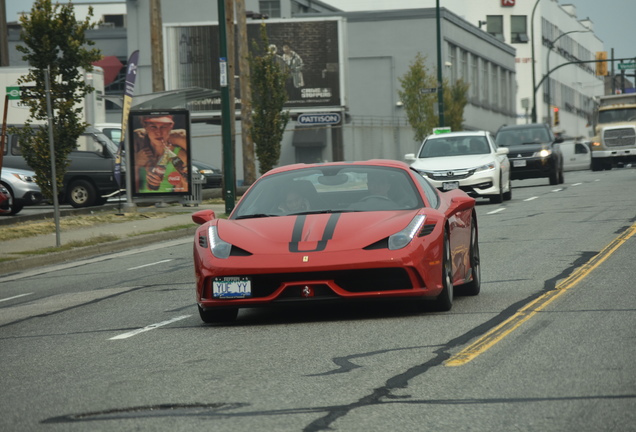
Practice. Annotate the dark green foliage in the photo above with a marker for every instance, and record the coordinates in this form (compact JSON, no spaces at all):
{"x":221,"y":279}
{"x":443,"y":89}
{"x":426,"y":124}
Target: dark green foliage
{"x":268,"y":76}
{"x":420,"y":106}
{"x":54,"y":39}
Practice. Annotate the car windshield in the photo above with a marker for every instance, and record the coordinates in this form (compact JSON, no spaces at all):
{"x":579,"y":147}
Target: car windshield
{"x":511,"y":137}
{"x":454,"y":146}
{"x":330,"y":189}
{"x":617,"y":115}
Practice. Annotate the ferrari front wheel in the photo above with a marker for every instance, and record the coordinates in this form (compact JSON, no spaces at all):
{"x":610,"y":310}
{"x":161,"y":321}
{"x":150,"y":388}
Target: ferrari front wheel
{"x":444,"y":301}
{"x":212,"y":316}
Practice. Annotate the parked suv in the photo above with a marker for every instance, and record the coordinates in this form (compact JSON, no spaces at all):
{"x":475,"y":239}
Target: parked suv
{"x":21,"y":185}
{"x":89,"y":179}
{"x":533,"y":151}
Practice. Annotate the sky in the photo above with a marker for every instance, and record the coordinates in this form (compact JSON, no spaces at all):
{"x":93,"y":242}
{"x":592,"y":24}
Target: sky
{"x":614,"y":20}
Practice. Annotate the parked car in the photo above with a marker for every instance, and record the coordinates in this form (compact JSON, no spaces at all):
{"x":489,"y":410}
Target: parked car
{"x":5,"y":201}
{"x":213,"y":176}
{"x":336,"y":232}
{"x":576,"y":155}
{"x":89,"y":179}
{"x":534,"y":151}
{"x":469,"y":161}
{"x":22,"y":187}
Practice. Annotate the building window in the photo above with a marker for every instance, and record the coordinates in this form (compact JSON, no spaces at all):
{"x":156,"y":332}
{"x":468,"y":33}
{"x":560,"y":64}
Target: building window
{"x":452,"y":59}
{"x":494,"y":26}
{"x":518,"y":29}
{"x":474,"y":79}
{"x":271,"y":8}
{"x":485,"y":93}
{"x":464,"y":66}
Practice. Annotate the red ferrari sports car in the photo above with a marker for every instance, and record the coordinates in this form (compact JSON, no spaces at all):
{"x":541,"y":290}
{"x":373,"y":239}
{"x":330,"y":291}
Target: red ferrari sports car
{"x":334,"y":232}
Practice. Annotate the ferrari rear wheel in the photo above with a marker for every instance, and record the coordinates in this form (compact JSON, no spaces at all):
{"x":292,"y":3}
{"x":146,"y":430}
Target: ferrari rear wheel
{"x":212,"y":316}
{"x":473,"y":287}
{"x":444,"y":301}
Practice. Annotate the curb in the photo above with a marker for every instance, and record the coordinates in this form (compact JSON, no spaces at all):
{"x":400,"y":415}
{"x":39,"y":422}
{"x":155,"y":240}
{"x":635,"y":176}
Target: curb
{"x":20,"y":264}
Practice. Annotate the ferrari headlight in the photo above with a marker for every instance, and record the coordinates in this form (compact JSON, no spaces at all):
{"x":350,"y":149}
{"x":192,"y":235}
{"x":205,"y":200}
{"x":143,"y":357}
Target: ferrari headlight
{"x":220,"y":248}
{"x":543,"y":153}
{"x":488,"y":167}
{"x":404,"y":237}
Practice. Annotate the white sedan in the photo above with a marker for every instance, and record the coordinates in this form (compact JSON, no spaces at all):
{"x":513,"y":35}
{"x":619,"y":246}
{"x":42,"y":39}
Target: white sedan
{"x":470,"y":161}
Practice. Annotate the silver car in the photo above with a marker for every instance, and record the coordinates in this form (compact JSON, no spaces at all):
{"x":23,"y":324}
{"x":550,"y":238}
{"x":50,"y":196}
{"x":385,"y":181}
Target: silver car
{"x":22,"y":187}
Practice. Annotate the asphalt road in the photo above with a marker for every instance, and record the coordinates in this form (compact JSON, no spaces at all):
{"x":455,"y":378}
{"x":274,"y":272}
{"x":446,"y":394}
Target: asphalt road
{"x":115,"y":342}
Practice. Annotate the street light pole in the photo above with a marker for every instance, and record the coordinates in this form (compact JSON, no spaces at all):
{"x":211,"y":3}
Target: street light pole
{"x":547,"y":62}
{"x":440,"y":87}
{"x":534,"y":75}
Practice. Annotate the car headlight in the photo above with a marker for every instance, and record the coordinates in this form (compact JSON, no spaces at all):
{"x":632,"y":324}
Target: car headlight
{"x":488,"y":167}
{"x":206,"y":171}
{"x":24,"y":178}
{"x":543,"y":153}
{"x":220,"y":248}
{"x":404,"y":237}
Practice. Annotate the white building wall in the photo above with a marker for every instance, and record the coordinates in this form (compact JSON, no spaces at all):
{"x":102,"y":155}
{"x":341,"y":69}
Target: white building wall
{"x":572,"y":81}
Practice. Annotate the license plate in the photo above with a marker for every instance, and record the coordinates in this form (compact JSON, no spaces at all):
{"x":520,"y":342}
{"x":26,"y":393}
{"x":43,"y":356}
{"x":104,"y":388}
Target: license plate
{"x":450,"y":185}
{"x":231,"y":287}
{"x":519,"y":163}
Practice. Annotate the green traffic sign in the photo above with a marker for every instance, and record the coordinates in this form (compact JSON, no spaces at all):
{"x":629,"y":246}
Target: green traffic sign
{"x":13,"y":93}
{"x":441,"y":130}
{"x":622,"y":66}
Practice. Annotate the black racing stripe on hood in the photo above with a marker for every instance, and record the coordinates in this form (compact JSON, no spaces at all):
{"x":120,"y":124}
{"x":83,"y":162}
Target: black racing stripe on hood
{"x":322,"y":243}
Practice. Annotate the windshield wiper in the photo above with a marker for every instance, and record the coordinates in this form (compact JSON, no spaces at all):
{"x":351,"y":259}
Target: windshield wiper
{"x":310,"y":212}
{"x":256,"y":215}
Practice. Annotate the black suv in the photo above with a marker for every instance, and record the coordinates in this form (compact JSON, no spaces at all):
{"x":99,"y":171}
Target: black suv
{"x":89,"y":179}
{"x":533,"y":150}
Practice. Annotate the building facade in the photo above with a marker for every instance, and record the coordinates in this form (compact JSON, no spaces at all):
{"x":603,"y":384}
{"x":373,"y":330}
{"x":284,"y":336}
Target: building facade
{"x":487,"y":44}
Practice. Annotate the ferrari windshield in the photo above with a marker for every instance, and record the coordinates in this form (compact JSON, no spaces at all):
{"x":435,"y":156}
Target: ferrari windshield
{"x":454,"y":146}
{"x":328,"y":189}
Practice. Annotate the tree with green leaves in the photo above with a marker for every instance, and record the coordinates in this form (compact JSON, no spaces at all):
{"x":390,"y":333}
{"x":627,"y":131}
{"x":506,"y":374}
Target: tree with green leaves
{"x":455,"y":100}
{"x":420,"y":105}
{"x":268,"y":76}
{"x":54,"y":40}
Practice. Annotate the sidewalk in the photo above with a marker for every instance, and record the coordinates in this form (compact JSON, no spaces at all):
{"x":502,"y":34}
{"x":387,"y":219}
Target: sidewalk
{"x":130,"y":234}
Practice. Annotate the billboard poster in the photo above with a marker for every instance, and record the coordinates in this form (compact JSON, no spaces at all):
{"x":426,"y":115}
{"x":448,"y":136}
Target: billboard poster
{"x":160,"y":150}
{"x":310,"y":49}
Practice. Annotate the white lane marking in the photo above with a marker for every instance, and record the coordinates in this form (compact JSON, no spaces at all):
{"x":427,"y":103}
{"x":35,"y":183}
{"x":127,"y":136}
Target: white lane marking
{"x":149,"y":327}
{"x":557,"y":190}
{"x":56,"y":303}
{"x":15,"y":297}
{"x":577,"y":184}
{"x":64,"y":266}
{"x":497,"y":211}
{"x":531,"y":198}
{"x":151,"y":264}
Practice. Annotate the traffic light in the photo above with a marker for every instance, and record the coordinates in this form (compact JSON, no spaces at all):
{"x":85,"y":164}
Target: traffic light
{"x":601,"y":66}
{"x":555,"y":115}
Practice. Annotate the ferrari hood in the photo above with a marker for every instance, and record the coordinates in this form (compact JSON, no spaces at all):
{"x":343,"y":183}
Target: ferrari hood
{"x":316,"y":232}
{"x":452,"y":162}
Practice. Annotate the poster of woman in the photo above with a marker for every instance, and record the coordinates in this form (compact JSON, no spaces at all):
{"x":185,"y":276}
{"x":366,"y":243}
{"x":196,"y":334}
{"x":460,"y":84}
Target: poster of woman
{"x":160,"y":148}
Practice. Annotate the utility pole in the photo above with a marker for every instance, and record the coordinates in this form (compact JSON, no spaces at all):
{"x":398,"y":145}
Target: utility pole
{"x":249,"y":165}
{"x":4,"y":42}
{"x":440,"y":86}
{"x":231,"y":72}
{"x":156,"y":48}
{"x":229,"y":182}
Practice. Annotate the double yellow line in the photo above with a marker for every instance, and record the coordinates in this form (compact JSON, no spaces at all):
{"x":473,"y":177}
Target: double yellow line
{"x":528,"y":311}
